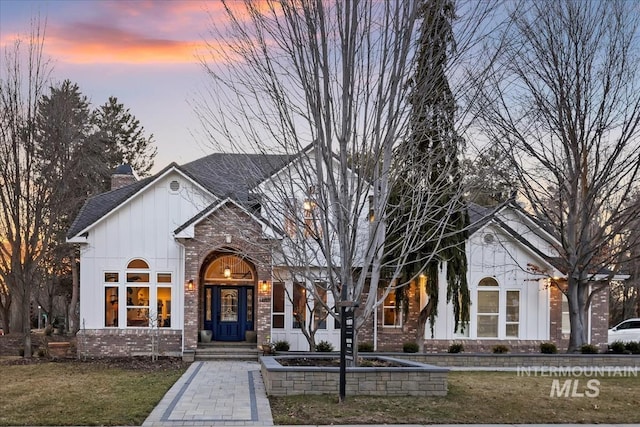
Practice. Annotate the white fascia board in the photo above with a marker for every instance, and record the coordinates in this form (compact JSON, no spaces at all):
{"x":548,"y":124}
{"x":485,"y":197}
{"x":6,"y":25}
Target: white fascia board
{"x":536,"y":228}
{"x":78,"y":238}
{"x":189,"y":231}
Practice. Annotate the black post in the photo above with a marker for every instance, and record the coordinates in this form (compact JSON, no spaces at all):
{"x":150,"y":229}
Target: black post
{"x":343,"y":353}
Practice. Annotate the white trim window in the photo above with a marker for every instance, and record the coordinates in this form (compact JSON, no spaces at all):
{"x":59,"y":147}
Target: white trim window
{"x":111,"y":298}
{"x":164,"y":298}
{"x":488,"y":308}
{"x":566,"y":318}
{"x":512,"y":321}
{"x":277,"y":308}
{"x":391,"y":312}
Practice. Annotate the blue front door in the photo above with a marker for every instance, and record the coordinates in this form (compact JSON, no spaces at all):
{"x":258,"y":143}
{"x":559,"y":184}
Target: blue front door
{"x":230,"y":311}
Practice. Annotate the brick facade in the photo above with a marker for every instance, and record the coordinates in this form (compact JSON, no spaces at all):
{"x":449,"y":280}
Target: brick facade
{"x":128,"y":342}
{"x":228,"y":230}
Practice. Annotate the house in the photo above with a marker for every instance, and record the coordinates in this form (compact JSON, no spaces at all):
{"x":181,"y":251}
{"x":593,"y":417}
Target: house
{"x":187,"y":254}
{"x":515,"y":287}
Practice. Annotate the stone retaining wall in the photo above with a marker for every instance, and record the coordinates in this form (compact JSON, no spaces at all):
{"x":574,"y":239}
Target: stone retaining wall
{"x":413,"y":379}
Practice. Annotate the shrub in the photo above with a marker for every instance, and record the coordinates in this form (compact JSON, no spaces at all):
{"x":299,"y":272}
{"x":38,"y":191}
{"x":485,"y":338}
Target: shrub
{"x":617,"y":347}
{"x":21,"y":352}
{"x":324,"y":347}
{"x":48,"y":330}
{"x":456,"y":348}
{"x":589,"y":349}
{"x":42,"y":352}
{"x":410,"y":347}
{"x":365,"y":347}
{"x":500,"y":349}
{"x":282,"y":345}
{"x":633,"y":347}
{"x":548,"y":348}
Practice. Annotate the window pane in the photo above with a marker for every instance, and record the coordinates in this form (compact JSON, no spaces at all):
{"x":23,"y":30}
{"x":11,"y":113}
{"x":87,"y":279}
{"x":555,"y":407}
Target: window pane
{"x":138,"y":263}
{"x":319,"y":311}
{"x":487,"y":326}
{"x":111,"y":306}
{"x":249,"y":305}
{"x":207,"y":309}
{"x":278,"y":321}
{"x":512,"y":330}
{"x":164,"y":277}
{"x":138,"y":317}
{"x":299,"y":306}
{"x":111,"y":277}
{"x":137,"y":297}
{"x":488,"y":281}
{"x":513,"y":306}
{"x":390,"y":313}
{"x":487,"y":302}
{"x":566,"y":325}
{"x":389,"y":317}
{"x":278,"y":297}
{"x":138,"y":277}
{"x":228,"y":305}
{"x":164,"y":307}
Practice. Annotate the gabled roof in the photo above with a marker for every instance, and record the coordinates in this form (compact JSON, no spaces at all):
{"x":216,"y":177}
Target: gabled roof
{"x":98,"y":206}
{"x":222,"y":174}
{"x":186,"y":229}
{"x":232,"y":175}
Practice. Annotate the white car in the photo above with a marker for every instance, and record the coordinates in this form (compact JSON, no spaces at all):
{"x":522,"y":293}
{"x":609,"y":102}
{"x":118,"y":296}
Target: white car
{"x":626,"y":331}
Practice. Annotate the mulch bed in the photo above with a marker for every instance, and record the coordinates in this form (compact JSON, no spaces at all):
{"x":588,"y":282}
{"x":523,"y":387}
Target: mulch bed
{"x":334,"y":362}
{"x":137,"y":363}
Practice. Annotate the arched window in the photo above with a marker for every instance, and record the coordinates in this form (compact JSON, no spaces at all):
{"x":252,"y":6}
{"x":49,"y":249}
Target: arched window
{"x":229,"y":268}
{"x":140,"y":296}
{"x":138,"y":264}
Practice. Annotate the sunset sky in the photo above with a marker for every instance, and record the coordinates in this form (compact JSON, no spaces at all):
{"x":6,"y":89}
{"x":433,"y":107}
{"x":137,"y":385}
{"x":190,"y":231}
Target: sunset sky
{"x":141,"y":51}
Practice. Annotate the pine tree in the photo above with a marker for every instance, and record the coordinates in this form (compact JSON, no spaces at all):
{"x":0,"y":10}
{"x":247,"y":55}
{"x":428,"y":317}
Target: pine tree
{"x":123,"y":137}
{"x":431,"y":154}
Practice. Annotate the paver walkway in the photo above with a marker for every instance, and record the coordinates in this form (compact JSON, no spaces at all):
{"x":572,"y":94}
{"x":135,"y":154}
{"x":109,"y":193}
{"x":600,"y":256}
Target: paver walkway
{"x":225,"y":393}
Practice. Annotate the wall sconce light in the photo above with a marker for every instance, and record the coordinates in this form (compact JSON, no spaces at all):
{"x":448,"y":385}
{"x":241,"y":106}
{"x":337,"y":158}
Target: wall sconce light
{"x":227,"y":238}
{"x":227,"y":272}
{"x":265,"y":286}
{"x":190,"y":284}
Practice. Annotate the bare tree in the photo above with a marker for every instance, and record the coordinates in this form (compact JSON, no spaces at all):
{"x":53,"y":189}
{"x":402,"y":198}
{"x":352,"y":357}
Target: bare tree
{"x":564,"y":106}
{"x":24,"y":197}
{"x":326,"y":85}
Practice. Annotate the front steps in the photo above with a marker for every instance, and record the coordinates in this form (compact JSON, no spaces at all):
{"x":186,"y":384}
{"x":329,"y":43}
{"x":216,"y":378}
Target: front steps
{"x":219,"y":350}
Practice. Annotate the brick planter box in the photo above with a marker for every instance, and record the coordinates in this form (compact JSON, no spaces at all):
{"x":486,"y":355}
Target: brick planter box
{"x":410,"y":379}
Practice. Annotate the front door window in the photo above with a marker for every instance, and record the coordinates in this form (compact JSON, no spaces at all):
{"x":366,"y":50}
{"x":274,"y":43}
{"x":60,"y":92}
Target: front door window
{"x":229,"y":305}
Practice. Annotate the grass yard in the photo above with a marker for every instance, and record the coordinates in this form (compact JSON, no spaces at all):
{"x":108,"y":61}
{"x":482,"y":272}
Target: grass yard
{"x":84,"y":393}
{"x":123,"y":392}
{"x":475,"y":397}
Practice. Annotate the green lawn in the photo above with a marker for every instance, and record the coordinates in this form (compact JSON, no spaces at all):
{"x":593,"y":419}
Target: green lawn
{"x":474,"y":397}
{"x":75,"y":393}
{"x":124,"y":393}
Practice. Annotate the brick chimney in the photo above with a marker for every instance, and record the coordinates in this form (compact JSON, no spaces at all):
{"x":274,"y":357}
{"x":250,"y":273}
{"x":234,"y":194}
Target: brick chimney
{"x":122,"y":176}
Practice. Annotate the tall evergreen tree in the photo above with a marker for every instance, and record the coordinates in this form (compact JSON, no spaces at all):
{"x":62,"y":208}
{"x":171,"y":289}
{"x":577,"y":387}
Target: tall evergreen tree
{"x":124,"y":138}
{"x":431,"y":154}
{"x":70,"y":162}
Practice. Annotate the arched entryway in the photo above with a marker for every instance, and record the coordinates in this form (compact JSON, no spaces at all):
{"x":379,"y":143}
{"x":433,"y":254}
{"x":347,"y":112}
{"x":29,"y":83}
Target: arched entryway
{"x":229,"y":297}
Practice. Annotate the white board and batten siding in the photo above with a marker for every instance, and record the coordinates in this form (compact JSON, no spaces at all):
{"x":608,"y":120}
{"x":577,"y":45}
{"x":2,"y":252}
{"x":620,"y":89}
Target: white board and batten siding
{"x":142,"y":227}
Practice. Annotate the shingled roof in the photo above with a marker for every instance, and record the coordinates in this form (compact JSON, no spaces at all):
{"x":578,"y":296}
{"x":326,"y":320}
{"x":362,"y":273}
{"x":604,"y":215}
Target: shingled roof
{"x":222,"y":174}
